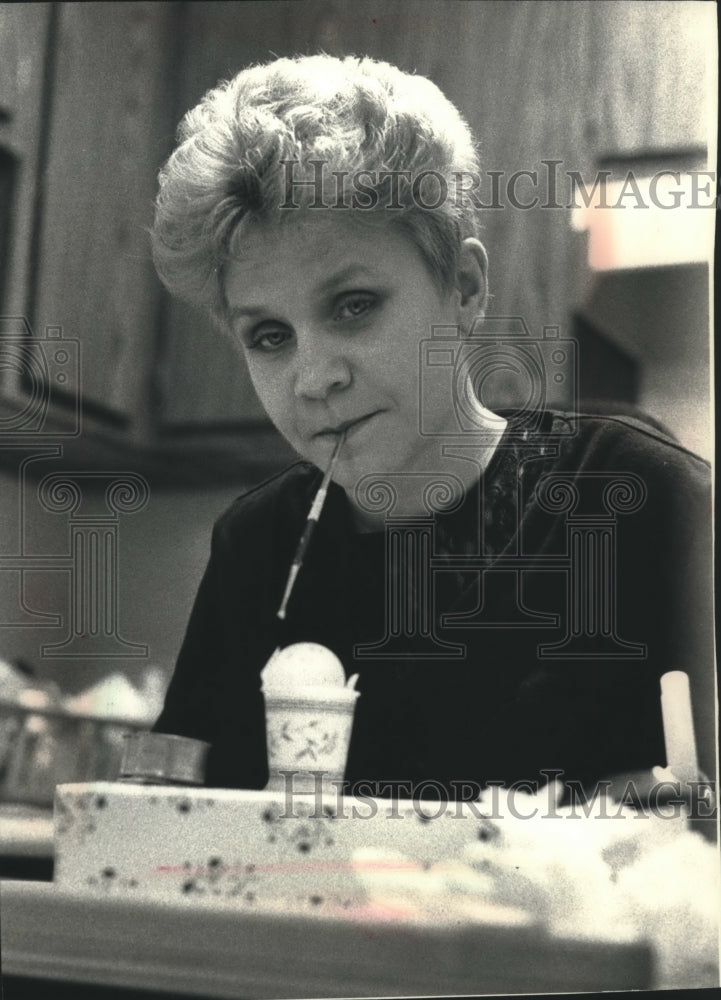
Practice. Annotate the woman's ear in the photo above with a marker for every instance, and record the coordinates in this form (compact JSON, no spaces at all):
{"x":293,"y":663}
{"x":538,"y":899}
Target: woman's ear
{"x":471,"y":282}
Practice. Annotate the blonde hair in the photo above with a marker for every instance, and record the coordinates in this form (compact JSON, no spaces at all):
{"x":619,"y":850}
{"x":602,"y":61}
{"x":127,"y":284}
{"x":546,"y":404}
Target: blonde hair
{"x":243,"y":151}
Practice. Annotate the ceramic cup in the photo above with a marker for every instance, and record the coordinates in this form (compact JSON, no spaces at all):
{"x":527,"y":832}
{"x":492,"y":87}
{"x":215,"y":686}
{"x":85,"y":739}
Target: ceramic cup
{"x":308,"y":734}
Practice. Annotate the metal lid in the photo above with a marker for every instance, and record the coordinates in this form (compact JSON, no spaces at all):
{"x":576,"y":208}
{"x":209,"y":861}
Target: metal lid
{"x":164,"y":757}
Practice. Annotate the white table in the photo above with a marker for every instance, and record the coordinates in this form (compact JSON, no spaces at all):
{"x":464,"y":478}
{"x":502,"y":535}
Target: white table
{"x":196,"y":949}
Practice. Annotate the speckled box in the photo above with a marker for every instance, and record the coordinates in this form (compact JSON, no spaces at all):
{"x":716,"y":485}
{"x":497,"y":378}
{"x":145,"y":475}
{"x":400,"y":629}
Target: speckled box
{"x":242,"y":847}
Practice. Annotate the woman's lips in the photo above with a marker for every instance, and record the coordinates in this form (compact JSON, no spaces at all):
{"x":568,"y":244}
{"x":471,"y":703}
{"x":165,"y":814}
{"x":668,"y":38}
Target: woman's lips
{"x":349,"y":426}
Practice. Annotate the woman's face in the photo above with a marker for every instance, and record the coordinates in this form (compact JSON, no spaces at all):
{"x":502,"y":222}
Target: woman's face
{"x":330,"y":316}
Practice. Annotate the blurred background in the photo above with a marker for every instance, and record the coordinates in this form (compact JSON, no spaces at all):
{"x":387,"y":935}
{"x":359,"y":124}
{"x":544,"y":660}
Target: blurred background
{"x":127,"y":424}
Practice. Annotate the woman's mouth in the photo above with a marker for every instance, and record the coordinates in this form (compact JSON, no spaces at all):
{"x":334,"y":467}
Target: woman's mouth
{"x":349,"y":426}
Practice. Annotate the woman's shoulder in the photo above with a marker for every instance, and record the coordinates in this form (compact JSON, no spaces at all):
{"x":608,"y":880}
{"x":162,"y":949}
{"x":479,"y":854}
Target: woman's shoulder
{"x":283,"y":499}
{"x":620,"y":441}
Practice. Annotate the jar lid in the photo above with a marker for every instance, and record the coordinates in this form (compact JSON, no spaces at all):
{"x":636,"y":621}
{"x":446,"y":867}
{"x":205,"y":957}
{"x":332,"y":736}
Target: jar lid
{"x":164,"y":757}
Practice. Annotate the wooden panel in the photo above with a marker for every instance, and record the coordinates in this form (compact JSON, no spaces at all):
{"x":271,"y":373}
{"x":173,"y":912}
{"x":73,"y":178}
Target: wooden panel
{"x":201,"y":378}
{"x":651,"y":63}
{"x":23,"y":39}
{"x":110,"y":119}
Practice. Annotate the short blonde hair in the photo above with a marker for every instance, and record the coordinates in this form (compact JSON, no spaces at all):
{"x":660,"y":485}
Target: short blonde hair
{"x":245,"y":146}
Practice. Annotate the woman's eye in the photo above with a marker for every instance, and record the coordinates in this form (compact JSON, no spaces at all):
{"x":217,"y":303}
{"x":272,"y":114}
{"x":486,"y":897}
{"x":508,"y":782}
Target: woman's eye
{"x":268,"y":340}
{"x":355,"y":305}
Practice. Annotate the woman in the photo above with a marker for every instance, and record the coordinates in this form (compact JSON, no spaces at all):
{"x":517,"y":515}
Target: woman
{"x":509,"y":587}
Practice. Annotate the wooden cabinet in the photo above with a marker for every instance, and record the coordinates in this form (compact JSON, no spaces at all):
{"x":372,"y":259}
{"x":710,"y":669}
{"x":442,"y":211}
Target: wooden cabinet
{"x":108,"y":122}
{"x":24,"y":34}
{"x":91,"y":93}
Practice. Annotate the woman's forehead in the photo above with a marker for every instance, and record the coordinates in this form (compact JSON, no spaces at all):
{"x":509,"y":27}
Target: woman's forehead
{"x":304,"y":223}
{"x":314,"y":255}
{"x":316,"y":243}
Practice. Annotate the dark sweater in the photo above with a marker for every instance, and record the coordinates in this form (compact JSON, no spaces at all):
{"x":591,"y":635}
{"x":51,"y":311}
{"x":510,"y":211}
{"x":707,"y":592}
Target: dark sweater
{"x":509,"y":706}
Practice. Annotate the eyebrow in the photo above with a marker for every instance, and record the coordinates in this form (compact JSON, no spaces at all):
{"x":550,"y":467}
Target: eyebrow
{"x":326,"y":286}
{"x":343,"y":275}
{"x":250,"y":311}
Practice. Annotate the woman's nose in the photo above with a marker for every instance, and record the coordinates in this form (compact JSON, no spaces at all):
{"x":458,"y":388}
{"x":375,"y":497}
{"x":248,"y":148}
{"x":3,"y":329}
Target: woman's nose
{"x":320,"y":368}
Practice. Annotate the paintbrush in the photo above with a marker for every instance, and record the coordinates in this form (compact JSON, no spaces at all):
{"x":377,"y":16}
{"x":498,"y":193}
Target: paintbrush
{"x":312,"y":520}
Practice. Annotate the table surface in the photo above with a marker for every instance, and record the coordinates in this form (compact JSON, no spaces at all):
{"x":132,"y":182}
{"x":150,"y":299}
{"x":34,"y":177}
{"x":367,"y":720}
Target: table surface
{"x":207,"y":950}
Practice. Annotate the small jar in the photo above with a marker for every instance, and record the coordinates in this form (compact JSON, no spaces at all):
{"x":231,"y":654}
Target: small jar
{"x":163,"y":759}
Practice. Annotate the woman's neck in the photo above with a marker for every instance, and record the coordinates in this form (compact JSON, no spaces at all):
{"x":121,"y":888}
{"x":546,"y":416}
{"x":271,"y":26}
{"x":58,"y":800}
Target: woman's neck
{"x":459,"y":467}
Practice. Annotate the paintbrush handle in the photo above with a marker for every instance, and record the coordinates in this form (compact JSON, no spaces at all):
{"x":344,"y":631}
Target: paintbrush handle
{"x":313,"y":515}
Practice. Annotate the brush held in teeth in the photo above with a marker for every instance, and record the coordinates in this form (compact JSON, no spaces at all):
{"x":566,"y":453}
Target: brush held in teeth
{"x":312,"y":520}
